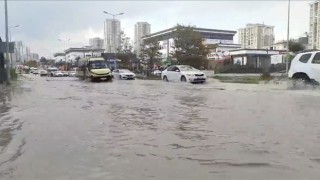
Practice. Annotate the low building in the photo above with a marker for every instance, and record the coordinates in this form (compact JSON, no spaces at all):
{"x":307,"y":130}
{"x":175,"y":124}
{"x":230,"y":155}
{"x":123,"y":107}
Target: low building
{"x":252,"y":60}
{"x":210,"y":36}
{"x":72,"y":54}
{"x":59,"y":57}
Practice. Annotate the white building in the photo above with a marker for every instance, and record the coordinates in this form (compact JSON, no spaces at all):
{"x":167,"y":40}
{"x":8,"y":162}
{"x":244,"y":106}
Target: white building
{"x":314,"y":26}
{"x":221,"y":51}
{"x":112,"y":39}
{"x":59,"y":57}
{"x":280,"y":46}
{"x":141,"y":29}
{"x":256,"y":36}
{"x":210,"y":36}
{"x":34,"y":56}
{"x":96,"y":43}
{"x":73,"y":53}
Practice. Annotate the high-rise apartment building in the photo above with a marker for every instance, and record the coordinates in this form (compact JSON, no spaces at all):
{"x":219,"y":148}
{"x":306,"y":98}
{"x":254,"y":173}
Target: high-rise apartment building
{"x":141,"y":29}
{"x":96,"y":43}
{"x":256,"y":36}
{"x":112,"y":39}
{"x":314,"y":26}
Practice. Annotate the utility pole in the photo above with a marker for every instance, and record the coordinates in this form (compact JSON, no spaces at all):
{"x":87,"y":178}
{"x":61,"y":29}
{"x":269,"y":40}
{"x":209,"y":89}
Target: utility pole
{"x":7,"y":42}
{"x":287,"y":60}
{"x":10,"y":41}
{"x":114,"y":32}
{"x":64,"y":48}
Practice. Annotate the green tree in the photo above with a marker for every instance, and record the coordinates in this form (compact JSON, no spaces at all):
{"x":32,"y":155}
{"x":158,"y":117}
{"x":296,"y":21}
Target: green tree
{"x":189,"y":48}
{"x":295,"y":46}
{"x":150,"y":53}
{"x":31,"y":63}
{"x":125,"y":50}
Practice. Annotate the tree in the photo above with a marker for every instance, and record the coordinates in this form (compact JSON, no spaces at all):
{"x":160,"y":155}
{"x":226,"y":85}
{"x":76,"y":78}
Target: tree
{"x":43,"y":59}
{"x":295,"y":46}
{"x":150,"y":53}
{"x":125,"y":50}
{"x":188,"y":47}
{"x":31,"y":63}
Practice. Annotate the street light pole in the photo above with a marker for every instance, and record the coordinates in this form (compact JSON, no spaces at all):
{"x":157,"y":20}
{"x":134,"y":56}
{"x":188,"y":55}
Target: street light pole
{"x":287,"y":60}
{"x":64,"y":48}
{"x":10,"y":41}
{"x":7,"y":42}
{"x":114,"y":32}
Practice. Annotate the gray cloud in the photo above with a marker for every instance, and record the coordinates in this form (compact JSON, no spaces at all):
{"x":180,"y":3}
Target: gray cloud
{"x":42,"y":22}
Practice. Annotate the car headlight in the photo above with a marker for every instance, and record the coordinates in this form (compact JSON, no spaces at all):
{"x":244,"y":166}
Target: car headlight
{"x":190,"y":74}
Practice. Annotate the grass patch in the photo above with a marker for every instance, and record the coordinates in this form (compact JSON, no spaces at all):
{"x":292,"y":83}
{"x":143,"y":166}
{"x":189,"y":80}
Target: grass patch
{"x":13,"y":74}
{"x":149,"y":77}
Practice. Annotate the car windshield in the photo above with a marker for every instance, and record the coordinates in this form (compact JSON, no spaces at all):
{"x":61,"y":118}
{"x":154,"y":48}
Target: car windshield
{"x":187,"y":68}
{"x":97,"y":64}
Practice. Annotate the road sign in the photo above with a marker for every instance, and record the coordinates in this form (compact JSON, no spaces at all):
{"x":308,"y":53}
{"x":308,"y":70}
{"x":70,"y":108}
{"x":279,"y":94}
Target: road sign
{"x":3,"y":48}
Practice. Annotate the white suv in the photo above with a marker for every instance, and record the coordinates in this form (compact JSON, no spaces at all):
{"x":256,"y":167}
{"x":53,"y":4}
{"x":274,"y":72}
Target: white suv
{"x":306,"y":66}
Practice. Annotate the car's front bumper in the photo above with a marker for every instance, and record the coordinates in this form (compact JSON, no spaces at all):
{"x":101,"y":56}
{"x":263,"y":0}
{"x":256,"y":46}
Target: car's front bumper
{"x":128,"y":77}
{"x":197,"y":79}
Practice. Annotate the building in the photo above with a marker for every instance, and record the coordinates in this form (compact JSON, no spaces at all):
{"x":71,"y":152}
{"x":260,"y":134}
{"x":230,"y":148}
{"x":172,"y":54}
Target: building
{"x":221,"y":51}
{"x":112,"y":32}
{"x":256,"y":36}
{"x":209,"y":36}
{"x":72,"y":54}
{"x":314,"y":26}
{"x":141,"y":29}
{"x":59,"y":57}
{"x":96,"y":43}
{"x":34,"y":56}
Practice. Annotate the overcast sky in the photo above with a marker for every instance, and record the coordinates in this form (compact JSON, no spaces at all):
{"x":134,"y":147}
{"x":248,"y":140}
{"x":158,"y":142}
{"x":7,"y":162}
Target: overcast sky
{"x":43,"y":22}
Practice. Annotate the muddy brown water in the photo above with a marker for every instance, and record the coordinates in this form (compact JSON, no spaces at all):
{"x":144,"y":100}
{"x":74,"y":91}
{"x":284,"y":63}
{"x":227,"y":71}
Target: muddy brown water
{"x":63,"y":128}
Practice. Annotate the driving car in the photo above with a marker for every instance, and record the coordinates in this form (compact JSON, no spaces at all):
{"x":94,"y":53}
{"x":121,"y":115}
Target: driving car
{"x":123,"y":74}
{"x":183,"y":73}
{"x":306,"y":67}
{"x":43,"y":73}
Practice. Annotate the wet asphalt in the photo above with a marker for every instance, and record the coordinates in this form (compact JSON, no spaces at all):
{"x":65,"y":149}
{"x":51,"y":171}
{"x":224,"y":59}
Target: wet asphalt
{"x":64,"y":128}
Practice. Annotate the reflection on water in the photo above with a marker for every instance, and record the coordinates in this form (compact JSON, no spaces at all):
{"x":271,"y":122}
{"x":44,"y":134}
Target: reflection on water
{"x":8,"y":126}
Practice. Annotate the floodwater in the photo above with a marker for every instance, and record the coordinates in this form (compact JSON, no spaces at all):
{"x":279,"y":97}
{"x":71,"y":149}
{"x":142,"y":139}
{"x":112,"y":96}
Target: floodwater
{"x":63,"y":128}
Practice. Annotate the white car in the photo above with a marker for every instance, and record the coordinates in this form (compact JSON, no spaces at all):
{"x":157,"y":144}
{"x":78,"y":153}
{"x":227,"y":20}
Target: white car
{"x":43,"y":73}
{"x":183,"y":73}
{"x":157,"y":72}
{"x":123,"y":74}
{"x":306,"y":67}
{"x":58,"y":74}
{"x":72,"y":73}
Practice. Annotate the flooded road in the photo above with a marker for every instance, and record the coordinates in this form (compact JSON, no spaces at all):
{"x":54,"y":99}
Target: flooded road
{"x":63,"y":128}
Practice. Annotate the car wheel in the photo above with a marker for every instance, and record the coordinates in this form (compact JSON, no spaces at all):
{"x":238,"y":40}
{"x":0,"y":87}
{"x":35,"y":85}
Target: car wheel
{"x":165,"y":78}
{"x":183,"y":79}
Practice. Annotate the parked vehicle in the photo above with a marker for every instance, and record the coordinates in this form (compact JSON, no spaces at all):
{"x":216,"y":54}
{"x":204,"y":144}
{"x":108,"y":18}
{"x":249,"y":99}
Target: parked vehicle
{"x":57,"y":74}
{"x":65,"y":73}
{"x":35,"y":72}
{"x":183,"y":73}
{"x":93,"y":68}
{"x":123,"y":74}
{"x":72,"y":74}
{"x":157,"y":72}
{"x":306,"y":67}
{"x":51,"y":71}
{"x":43,"y":73}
